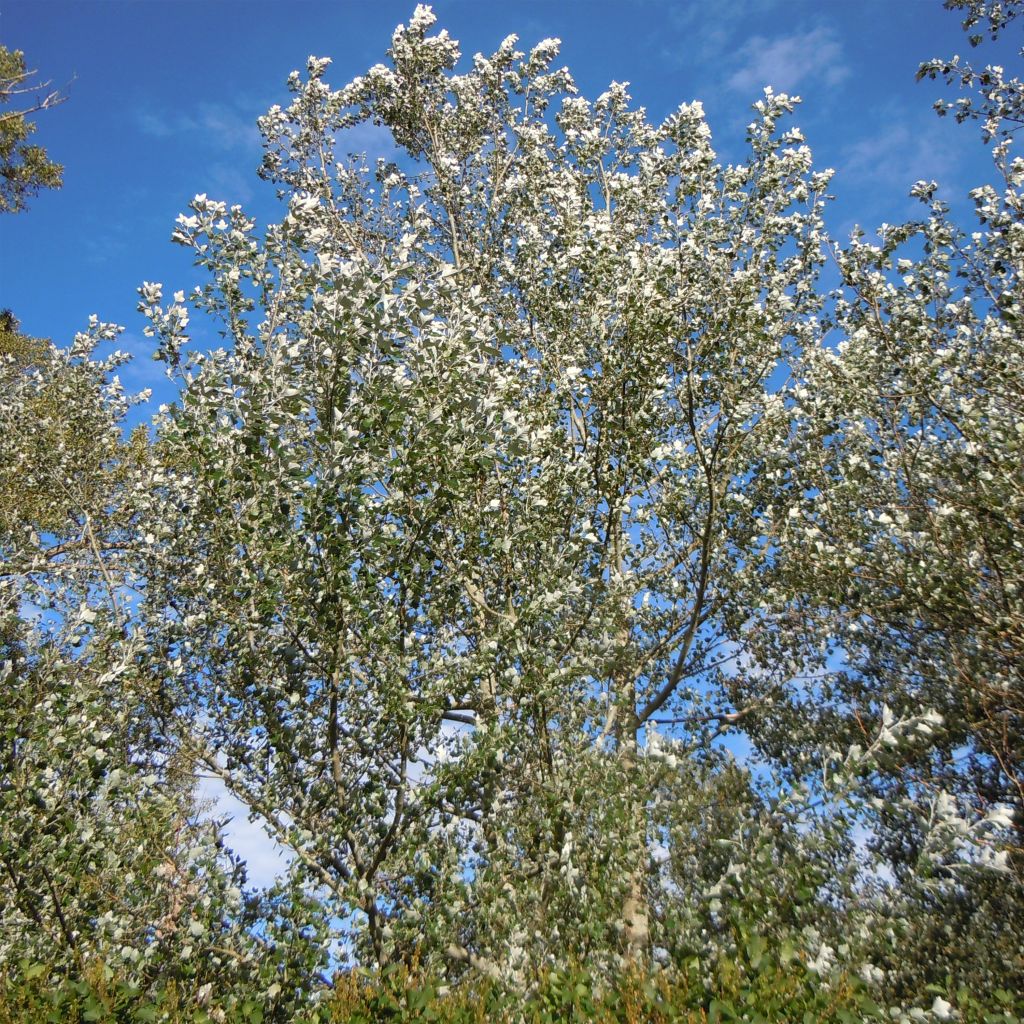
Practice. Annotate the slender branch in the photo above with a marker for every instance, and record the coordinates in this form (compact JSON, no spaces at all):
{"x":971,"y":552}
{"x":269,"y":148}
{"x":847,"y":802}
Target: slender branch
{"x":659,"y":699}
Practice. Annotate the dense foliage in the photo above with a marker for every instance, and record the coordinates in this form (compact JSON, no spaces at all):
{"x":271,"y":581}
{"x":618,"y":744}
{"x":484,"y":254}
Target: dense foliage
{"x":25,"y":168}
{"x":539,"y":474}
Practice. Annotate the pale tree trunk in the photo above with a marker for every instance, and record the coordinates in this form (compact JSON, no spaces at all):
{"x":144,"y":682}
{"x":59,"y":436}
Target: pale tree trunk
{"x":634,"y":920}
{"x":636,"y":926}
{"x":635,"y":915}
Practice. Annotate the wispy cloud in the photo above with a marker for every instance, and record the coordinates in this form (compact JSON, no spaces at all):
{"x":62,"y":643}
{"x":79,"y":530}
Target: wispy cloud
{"x":901,"y":152}
{"x":231,"y":183}
{"x":217,"y":124}
{"x":704,"y":34}
{"x":375,"y":141}
{"x":786,"y":62}
{"x":878,"y":166}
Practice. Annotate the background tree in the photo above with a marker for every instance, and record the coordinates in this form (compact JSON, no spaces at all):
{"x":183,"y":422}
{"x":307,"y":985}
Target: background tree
{"x":906,"y":548}
{"x":109,"y":866}
{"x":24,"y":168}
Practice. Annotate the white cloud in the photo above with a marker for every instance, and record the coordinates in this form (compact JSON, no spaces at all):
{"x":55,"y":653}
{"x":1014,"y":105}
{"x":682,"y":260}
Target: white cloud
{"x":219,"y":125}
{"x":265,"y":860}
{"x":232,"y":130}
{"x":787,"y":61}
{"x":375,"y":141}
{"x":707,"y":32}
{"x":899,"y":153}
{"x":231,"y":184}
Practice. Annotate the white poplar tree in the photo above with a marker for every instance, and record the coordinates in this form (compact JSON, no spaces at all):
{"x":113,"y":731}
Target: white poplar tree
{"x":484,"y":489}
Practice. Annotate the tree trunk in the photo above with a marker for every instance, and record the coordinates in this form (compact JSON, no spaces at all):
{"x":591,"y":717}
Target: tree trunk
{"x":635,"y":918}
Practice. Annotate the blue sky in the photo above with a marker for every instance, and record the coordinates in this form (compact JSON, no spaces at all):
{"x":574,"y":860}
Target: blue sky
{"x":164,"y":96}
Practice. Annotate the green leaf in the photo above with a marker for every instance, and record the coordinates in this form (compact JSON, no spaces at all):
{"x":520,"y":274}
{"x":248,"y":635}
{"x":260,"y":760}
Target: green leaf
{"x":756,"y":946}
{"x":720,"y":1010}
